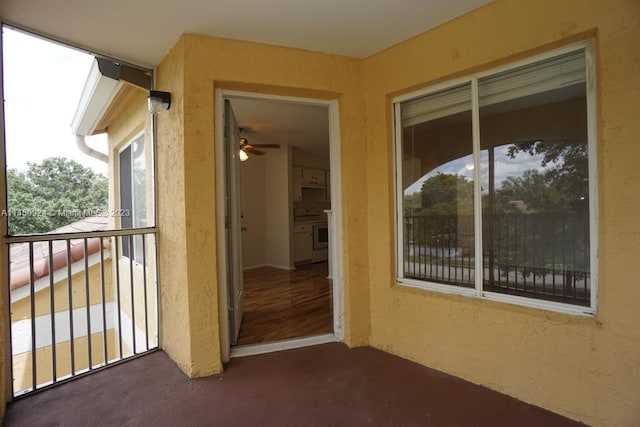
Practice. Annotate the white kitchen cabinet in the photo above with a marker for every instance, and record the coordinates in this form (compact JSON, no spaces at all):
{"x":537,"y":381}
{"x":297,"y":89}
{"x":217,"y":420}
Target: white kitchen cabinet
{"x":302,"y":243}
{"x":310,"y":185}
{"x":313,"y":178}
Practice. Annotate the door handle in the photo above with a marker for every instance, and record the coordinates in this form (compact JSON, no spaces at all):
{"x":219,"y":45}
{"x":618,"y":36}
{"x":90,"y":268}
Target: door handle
{"x":244,"y":229}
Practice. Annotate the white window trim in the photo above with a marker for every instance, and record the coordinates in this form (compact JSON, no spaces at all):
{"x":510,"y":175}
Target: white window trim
{"x":477,"y":291}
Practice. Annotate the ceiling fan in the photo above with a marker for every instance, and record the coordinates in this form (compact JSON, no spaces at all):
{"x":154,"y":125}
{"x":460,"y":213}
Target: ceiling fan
{"x":246,"y":149}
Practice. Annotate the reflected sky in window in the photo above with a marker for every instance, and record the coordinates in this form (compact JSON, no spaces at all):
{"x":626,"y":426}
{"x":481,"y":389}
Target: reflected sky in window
{"x":504,"y":167}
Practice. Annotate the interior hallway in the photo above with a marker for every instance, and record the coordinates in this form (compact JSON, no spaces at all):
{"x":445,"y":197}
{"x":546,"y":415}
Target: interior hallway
{"x":281,"y":304}
{"x":328,"y":384}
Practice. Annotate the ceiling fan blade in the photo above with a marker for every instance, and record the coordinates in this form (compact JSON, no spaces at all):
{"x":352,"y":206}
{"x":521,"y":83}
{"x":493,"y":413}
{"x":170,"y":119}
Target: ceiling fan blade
{"x":249,"y":149}
{"x":266,"y":145}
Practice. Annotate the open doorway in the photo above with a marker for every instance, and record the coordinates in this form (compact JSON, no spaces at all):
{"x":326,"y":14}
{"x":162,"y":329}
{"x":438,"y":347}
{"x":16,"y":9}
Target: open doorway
{"x":281,"y":275}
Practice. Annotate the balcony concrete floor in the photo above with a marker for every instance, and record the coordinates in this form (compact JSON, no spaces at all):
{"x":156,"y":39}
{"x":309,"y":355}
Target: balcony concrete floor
{"x":322,"y":385}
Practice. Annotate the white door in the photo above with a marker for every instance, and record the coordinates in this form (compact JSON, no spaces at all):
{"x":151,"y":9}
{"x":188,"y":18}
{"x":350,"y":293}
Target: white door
{"x":232,"y":222}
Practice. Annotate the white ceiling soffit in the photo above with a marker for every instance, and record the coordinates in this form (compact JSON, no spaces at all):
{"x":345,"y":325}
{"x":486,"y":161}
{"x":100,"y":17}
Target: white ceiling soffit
{"x":143,"y":31}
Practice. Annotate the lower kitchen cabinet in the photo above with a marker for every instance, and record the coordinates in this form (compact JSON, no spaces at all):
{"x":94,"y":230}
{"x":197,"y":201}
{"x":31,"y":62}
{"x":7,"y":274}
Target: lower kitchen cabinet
{"x":302,"y":243}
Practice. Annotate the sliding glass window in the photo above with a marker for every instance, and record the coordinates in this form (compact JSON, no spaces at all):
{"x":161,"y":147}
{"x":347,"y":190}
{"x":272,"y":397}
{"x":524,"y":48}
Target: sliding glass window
{"x":496,"y":184}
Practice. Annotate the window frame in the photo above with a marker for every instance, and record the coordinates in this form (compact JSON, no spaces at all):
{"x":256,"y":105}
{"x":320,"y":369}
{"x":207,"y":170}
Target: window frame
{"x":472,"y":79}
{"x":129,"y":145}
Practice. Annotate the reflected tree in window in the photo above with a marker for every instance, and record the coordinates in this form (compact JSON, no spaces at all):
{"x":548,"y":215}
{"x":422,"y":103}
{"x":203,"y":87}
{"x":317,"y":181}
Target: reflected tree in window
{"x":539,"y":221}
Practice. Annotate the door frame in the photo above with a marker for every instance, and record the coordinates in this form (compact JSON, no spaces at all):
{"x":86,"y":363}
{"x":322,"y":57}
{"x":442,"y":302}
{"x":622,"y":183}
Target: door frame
{"x":336,"y":242}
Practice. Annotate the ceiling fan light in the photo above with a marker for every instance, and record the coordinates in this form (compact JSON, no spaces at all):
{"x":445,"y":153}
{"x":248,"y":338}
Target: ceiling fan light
{"x":243,"y":156}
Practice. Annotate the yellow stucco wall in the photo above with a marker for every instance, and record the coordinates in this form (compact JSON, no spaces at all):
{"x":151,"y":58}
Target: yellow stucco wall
{"x":172,"y":254}
{"x":186,"y":175}
{"x":22,"y":363}
{"x":21,"y":309}
{"x":584,"y":368}
{"x":131,"y":117}
{"x":145,"y":317}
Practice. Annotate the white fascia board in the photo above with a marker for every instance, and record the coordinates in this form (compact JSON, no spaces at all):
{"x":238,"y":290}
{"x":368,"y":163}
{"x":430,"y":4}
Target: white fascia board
{"x":98,"y":93}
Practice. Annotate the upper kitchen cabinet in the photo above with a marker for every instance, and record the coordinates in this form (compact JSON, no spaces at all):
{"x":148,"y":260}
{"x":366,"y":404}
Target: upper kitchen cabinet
{"x":310,"y":185}
{"x":313,"y":178}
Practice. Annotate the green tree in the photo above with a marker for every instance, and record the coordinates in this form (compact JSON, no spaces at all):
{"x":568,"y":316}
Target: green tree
{"x":562,"y":187}
{"x":447,"y":194}
{"x":53,"y":193}
{"x":538,"y":191}
{"x":446,"y":204}
{"x":540,"y":220}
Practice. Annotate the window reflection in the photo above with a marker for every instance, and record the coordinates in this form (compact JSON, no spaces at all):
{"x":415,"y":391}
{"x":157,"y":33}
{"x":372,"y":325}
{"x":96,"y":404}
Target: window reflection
{"x":438,"y":188}
{"x":532,"y":238}
{"x":535,"y":195}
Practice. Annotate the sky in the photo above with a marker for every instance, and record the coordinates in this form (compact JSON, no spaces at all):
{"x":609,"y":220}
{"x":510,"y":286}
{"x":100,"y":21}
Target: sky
{"x":504,"y":166}
{"x":42,"y":86}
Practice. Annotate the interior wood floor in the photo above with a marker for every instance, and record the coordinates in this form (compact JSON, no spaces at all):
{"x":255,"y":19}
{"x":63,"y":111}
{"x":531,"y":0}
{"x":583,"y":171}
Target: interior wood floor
{"x":281,"y":304}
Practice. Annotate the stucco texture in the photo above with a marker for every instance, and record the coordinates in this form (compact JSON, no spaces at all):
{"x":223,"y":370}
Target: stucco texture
{"x":186,"y":179}
{"x":585,"y":368}
{"x":22,"y":367}
{"x":131,"y":117}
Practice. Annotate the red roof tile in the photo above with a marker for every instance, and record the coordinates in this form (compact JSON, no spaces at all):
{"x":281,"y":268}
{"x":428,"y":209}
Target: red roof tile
{"x":19,"y":252}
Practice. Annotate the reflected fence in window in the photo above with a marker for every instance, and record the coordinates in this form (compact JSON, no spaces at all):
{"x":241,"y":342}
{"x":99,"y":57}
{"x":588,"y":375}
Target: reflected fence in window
{"x":543,"y":256}
{"x":78,"y":304}
{"x":440,"y":248}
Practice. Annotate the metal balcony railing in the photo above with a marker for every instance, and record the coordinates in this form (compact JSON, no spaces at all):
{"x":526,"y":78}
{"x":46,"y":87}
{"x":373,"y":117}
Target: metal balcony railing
{"x":544,"y":256}
{"x":78,"y":304}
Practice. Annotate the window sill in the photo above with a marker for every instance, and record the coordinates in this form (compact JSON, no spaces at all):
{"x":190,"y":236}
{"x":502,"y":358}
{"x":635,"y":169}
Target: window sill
{"x":558,"y":307}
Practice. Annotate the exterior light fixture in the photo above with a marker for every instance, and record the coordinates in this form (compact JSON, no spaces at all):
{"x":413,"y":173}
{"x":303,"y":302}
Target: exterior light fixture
{"x":158,"y":101}
{"x":243,"y":156}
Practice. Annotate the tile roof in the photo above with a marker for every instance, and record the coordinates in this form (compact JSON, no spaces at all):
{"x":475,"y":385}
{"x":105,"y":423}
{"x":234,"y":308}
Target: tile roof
{"x":19,"y":252}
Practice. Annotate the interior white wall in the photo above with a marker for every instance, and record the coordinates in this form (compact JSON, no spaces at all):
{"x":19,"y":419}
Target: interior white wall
{"x":253,"y":201}
{"x":266,"y":209}
{"x":277,"y":210}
